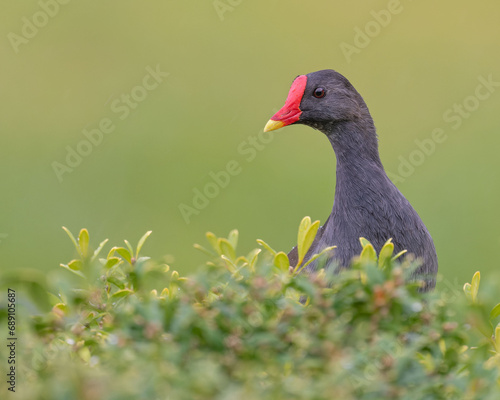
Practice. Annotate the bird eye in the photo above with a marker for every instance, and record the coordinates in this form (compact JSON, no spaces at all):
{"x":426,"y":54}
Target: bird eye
{"x":319,"y":93}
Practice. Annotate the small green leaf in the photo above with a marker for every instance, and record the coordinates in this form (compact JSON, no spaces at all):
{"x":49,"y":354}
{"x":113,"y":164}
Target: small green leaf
{"x":111,"y":252}
{"x":233,"y":238}
{"x":385,"y":254}
{"x":467,"y":291}
{"x":303,"y":229}
{"x":368,"y":253}
{"x":364,"y":242}
{"x":203,"y":250}
{"x":54,"y":299}
{"x":252,"y":256}
{"x":315,"y":257}
{"x":227,"y":249}
{"x":212,"y":239}
{"x":111,"y":262}
{"x":83,"y":242}
{"x":120,"y":294}
{"x":75,"y":265}
{"x":72,"y":270}
{"x":399,"y":255}
{"x":442,"y":346}
{"x":427,"y":361}
{"x":129,"y":247}
{"x":84,"y":354}
{"x":266,"y":246}
{"x":281,"y":261}
{"x":72,"y":239}
{"x":307,"y":240}
{"x":241,"y":259}
{"x":124,"y":253}
{"x":63,"y":308}
{"x":495,"y":312}
{"x":230,"y":265}
{"x":98,"y":250}
{"x":142,"y":240}
{"x":475,"y":286}
{"x":116,"y":282}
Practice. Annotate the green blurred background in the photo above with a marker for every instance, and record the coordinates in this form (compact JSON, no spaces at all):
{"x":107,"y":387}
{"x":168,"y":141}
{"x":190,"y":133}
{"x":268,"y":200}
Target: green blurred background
{"x":230,"y":65}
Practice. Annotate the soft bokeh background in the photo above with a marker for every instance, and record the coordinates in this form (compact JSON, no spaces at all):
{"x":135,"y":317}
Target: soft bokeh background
{"x":228,"y":71}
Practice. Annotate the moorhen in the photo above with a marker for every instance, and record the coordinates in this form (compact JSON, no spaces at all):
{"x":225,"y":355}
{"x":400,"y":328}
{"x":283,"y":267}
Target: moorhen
{"x":367,"y":204}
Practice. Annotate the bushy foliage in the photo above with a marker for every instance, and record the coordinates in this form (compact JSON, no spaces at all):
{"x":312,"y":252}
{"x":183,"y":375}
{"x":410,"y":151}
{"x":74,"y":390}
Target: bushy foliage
{"x":252,"y":327}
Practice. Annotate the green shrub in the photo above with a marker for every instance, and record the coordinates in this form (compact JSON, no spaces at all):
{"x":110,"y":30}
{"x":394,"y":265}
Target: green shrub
{"x":251,"y":327}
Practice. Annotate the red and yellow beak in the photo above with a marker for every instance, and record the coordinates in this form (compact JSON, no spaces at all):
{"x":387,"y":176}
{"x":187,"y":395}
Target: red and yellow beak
{"x":290,"y":112}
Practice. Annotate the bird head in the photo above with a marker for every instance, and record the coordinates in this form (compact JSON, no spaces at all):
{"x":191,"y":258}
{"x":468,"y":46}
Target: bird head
{"x":319,"y":99}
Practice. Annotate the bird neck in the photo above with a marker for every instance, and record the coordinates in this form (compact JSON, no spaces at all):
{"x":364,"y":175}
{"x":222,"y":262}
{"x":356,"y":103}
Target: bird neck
{"x":358,"y":162}
{"x":354,"y":142}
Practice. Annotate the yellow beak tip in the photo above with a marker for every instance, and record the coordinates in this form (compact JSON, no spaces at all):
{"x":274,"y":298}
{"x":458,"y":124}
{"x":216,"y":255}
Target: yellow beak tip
{"x":273,"y":125}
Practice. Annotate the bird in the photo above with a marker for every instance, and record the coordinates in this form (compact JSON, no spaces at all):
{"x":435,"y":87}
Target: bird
{"x":366,"y":202}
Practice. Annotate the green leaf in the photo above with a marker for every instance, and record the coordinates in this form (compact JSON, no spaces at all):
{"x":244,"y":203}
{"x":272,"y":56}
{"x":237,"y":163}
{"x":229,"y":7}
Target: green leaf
{"x":427,"y":361}
{"x":120,"y":294}
{"x":203,"y":250}
{"x":281,"y":261}
{"x":232,"y":267}
{"x":315,"y":257}
{"x":252,"y":256}
{"x":399,"y":255}
{"x":495,"y":312}
{"x":227,"y":249}
{"x":304,"y":226}
{"x":266,"y":246}
{"x":64,"y":309}
{"x":233,"y":238}
{"x":83,"y":242}
{"x":116,"y":282}
{"x":124,"y":253}
{"x":364,"y":242}
{"x":111,"y":262}
{"x":385,"y":254}
{"x":475,"y":286}
{"x":111,"y":252}
{"x":84,"y":354}
{"x":174,"y":276}
{"x":72,"y":239}
{"x":368,"y":253}
{"x":75,"y":265}
{"x":442,"y":346}
{"x":98,"y":250}
{"x":388,"y":241}
{"x":212,"y":239}
{"x":241,"y":259}
{"x":467,"y":291}
{"x":307,"y":240}
{"x":72,"y":270}
{"x":142,"y":240}
{"x":129,"y":247}
{"x":53,"y":298}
